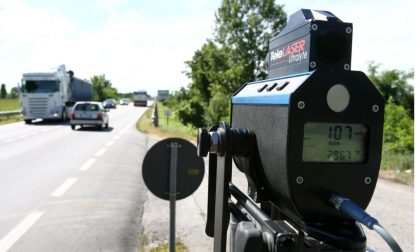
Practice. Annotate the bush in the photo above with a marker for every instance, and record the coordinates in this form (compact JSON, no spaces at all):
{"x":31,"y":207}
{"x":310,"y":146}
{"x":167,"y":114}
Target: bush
{"x":397,"y":161}
{"x":398,"y":147}
{"x":398,"y":129}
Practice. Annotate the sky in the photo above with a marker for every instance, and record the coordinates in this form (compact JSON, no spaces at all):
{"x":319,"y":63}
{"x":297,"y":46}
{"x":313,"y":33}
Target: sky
{"x":144,"y":44}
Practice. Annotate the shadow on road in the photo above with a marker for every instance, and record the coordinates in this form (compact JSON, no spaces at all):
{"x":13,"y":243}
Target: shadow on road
{"x":93,"y":128}
{"x":48,"y":123}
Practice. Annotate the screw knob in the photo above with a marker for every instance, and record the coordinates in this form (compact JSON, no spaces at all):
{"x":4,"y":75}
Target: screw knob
{"x":203,"y":142}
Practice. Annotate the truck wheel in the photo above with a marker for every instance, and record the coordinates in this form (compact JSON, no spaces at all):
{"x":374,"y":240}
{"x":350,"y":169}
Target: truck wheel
{"x":100,"y":127}
{"x":73,"y":126}
{"x":28,"y":121}
{"x":106,"y":126}
{"x":63,"y":115}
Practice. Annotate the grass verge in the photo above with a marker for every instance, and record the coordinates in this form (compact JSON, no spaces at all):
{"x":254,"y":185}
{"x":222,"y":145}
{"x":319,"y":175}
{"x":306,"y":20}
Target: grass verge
{"x":163,"y":247}
{"x":403,"y":177}
{"x":397,"y":167}
{"x":9,"y":104}
{"x":10,"y":119}
{"x":168,"y":126}
{"x":179,"y":247}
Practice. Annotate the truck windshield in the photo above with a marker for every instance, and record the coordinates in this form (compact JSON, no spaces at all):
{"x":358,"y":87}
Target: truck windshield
{"x":41,"y":86}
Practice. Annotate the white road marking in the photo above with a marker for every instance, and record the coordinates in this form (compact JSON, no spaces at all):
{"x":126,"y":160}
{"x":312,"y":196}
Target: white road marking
{"x":11,"y":238}
{"x":64,"y":187}
{"x":88,"y":164}
{"x":127,"y":127}
{"x":100,"y":152}
{"x":109,"y":143}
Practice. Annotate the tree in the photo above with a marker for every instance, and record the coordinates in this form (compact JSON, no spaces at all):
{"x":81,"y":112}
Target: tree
{"x":393,"y":84}
{"x":3,"y":91}
{"x":208,"y":66}
{"x":245,"y":27}
{"x":218,"y":108}
{"x":102,"y":88}
{"x":233,"y":57}
{"x":14,"y":93}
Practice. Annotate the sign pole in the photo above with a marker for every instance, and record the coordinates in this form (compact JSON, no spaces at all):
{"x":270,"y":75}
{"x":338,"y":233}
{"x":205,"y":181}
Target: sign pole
{"x":169,"y":160}
{"x":172,"y":194}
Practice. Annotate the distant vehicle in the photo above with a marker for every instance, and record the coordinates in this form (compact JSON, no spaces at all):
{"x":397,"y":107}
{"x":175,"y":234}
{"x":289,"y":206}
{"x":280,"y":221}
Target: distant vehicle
{"x":110,"y":103}
{"x":140,"y":98}
{"x":124,"y":101}
{"x":89,"y":113}
{"x":51,"y":95}
{"x":162,"y":95}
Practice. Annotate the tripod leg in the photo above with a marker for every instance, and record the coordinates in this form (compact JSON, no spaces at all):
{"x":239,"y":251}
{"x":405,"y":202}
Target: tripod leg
{"x":221,"y":221}
{"x":211,"y":195}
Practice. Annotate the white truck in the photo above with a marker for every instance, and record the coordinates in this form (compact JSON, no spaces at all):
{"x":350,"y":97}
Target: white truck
{"x":51,"y":95}
{"x":140,"y":98}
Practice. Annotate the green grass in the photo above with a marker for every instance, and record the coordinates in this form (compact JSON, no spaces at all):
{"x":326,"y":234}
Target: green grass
{"x":168,"y":127}
{"x":164,"y":247}
{"x":10,"y":119}
{"x":179,"y":247}
{"x":397,"y":167}
{"x":9,"y":104}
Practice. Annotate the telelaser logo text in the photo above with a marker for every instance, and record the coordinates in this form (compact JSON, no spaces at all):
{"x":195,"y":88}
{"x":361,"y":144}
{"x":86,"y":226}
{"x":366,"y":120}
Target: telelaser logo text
{"x":295,"y":51}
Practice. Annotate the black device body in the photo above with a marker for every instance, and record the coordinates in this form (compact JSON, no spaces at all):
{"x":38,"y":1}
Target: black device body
{"x":311,"y":40}
{"x":311,"y":130}
{"x":279,"y":130}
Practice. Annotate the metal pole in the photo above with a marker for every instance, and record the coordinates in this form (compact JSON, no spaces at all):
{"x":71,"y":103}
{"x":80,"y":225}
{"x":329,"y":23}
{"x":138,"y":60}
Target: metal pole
{"x":172,"y":195}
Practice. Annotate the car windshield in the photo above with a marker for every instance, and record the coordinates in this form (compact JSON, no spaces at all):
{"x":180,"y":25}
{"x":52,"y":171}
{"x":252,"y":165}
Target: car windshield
{"x":87,"y":107}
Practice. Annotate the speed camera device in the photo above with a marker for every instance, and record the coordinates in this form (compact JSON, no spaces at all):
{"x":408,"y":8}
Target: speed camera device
{"x":312,"y":130}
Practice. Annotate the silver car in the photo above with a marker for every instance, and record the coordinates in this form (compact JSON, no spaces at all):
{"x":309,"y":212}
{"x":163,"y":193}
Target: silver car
{"x":89,"y":113}
{"x":124,"y":101}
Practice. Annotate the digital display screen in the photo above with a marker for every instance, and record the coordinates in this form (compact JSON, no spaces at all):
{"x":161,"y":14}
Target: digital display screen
{"x":334,"y":143}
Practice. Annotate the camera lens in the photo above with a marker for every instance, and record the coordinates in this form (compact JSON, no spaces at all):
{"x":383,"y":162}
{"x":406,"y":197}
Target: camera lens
{"x":330,"y":47}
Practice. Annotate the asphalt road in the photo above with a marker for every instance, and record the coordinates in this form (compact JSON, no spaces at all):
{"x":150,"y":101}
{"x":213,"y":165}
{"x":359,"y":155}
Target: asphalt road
{"x":65,"y":190}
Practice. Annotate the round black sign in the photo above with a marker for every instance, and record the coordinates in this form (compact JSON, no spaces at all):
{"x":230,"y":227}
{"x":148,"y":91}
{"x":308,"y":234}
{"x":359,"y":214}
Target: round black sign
{"x":157,"y":163}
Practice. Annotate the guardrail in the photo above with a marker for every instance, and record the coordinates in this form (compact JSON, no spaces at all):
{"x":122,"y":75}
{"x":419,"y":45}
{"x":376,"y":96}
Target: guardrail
{"x":155,"y":115}
{"x":9,"y":113}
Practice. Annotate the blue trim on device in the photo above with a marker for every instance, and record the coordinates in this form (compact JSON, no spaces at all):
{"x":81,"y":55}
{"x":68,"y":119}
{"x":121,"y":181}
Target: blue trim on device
{"x":281,"y":99}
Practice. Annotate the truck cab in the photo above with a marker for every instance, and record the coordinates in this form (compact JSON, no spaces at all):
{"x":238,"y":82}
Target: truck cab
{"x":42,"y":96}
{"x":51,"y":95}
